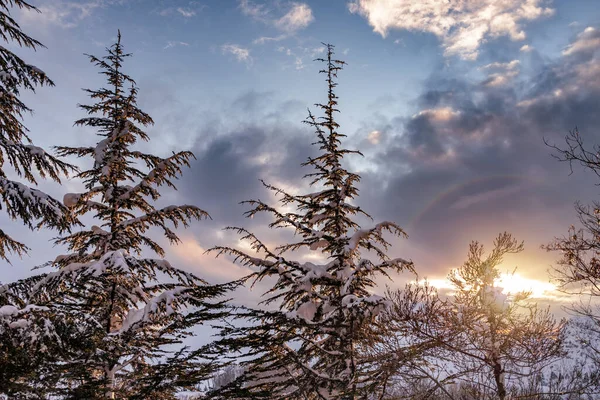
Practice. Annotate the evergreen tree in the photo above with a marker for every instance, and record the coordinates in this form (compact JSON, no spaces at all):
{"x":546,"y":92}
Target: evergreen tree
{"x":18,"y":156}
{"x":307,"y":348}
{"x":25,"y":332}
{"x":131,"y":311}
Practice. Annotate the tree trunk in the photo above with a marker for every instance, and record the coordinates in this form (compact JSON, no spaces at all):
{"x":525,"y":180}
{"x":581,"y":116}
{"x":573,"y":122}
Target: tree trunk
{"x":499,"y":378}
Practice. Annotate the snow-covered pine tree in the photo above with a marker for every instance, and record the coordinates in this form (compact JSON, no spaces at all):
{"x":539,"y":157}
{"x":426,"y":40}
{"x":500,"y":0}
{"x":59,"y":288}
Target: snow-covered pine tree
{"x":306,"y":349}
{"x":18,"y":156}
{"x":132,"y":311}
{"x":23,"y":328}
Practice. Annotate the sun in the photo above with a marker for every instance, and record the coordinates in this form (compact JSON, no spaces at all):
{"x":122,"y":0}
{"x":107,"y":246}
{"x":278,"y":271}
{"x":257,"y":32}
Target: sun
{"x":514,"y":283}
{"x":510,"y":284}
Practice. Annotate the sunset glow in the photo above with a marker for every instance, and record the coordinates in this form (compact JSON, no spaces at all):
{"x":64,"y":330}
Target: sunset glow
{"x":510,"y":284}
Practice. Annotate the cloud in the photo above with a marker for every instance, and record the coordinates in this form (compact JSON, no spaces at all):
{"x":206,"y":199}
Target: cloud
{"x":175,"y":43}
{"x":256,"y":11}
{"x":297,"y":17}
{"x":374,"y":137}
{"x":442,"y":114}
{"x":462,"y":26}
{"x":526,"y":48}
{"x":240,"y":53}
{"x":587,"y":41}
{"x":470,"y":160}
{"x":62,"y":13}
{"x":265,"y":39}
{"x":301,"y":53}
{"x":191,"y":252}
{"x":502,"y":73}
{"x":186,"y":12}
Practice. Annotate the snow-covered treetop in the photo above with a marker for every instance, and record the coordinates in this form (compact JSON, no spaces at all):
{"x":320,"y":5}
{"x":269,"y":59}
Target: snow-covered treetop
{"x":119,"y":192}
{"x":323,"y":219}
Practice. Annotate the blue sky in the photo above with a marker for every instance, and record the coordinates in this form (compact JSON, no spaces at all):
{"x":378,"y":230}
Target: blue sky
{"x":448,"y":101}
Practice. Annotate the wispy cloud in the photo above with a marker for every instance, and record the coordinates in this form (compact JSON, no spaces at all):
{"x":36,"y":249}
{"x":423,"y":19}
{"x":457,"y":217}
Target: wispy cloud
{"x":265,"y":39}
{"x":62,"y":13}
{"x":501,"y":73}
{"x":256,"y":11}
{"x":301,"y":54}
{"x":186,"y":12}
{"x":297,"y":17}
{"x":462,"y":26}
{"x":240,"y":53}
{"x":175,"y":43}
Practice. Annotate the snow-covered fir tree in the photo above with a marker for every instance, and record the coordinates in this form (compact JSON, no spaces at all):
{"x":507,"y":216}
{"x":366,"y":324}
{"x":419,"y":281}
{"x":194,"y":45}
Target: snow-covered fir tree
{"x":131,"y":311}
{"x":307,"y":347}
{"x":23,"y":328}
{"x":19,"y":158}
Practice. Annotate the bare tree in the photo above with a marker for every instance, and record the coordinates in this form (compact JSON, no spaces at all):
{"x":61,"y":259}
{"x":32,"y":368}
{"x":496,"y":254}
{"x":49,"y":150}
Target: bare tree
{"x":478,"y":343}
{"x":578,"y":270}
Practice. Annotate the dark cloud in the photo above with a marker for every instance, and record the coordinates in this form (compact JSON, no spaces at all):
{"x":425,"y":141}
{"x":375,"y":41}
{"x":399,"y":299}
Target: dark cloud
{"x":471,"y":161}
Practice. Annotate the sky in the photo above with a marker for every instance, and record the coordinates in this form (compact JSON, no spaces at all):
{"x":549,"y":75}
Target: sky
{"x":450,"y":103}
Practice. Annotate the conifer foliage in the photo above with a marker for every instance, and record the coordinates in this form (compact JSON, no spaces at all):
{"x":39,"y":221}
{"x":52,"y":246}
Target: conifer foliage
{"x":18,"y":156}
{"x":25,"y":334}
{"x":307,"y":348}
{"x":131,"y":311}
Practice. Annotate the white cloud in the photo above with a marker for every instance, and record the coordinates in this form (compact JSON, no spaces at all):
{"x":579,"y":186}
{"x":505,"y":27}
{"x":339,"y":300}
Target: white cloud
{"x":301,"y":54}
{"x":186,"y":12}
{"x":504,"y":73}
{"x":503,"y":66}
{"x":526,"y":48}
{"x":240,"y":53}
{"x":442,"y":114}
{"x":298,"y":18}
{"x":256,"y":11}
{"x":463,"y":26}
{"x":588,"y":40}
{"x":175,"y":43}
{"x":265,"y":39}
{"x":500,"y":78}
{"x":65,"y":14}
